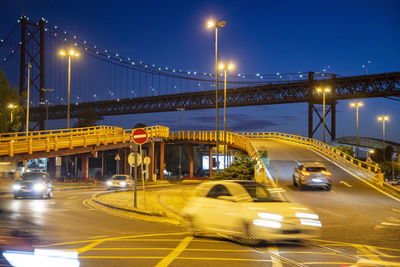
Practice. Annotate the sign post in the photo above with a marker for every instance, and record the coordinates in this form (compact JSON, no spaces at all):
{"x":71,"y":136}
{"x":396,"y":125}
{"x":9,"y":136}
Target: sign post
{"x":139,"y":137}
{"x":117,"y":159}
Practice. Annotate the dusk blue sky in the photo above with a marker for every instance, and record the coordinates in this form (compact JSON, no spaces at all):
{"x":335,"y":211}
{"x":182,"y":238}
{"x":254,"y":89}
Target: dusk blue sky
{"x":260,"y":37}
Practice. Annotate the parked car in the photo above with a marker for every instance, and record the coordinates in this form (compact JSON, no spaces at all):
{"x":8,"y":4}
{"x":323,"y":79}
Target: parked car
{"x":33,"y":184}
{"x":312,"y":174}
{"x":119,"y":181}
{"x":248,"y":212}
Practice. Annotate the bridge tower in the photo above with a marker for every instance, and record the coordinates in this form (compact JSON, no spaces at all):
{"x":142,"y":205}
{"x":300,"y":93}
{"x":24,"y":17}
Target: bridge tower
{"x":32,"y":51}
{"x":314,"y":99}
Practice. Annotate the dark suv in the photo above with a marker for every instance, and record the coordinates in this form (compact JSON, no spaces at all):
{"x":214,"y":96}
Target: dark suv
{"x":33,"y":184}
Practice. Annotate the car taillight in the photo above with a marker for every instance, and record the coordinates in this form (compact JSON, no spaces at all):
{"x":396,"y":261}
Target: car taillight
{"x":305,"y":173}
{"x":326,"y":173}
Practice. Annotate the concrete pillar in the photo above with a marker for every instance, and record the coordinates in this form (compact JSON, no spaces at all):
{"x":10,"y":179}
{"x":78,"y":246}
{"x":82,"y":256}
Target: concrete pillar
{"x":151,"y":155}
{"x":191,"y":151}
{"x":121,"y":161}
{"x":162,"y":163}
{"x":103,"y":164}
{"x":51,"y":167}
{"x":127,"y":166}
{"x":85,"y":166}
{"x":210,"y":155}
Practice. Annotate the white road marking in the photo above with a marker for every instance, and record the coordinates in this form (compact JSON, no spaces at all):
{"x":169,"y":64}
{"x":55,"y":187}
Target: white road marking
{"x":376,"y":188}
{"x":346,"y":184}
{"x":274,"y":250}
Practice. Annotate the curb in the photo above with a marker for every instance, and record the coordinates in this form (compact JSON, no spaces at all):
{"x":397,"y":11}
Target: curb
{"x":136,"y":210}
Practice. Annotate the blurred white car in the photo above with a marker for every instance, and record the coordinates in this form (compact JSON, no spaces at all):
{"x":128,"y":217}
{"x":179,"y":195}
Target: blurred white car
{"x":248,"y":212}
{"x":119,"y":181}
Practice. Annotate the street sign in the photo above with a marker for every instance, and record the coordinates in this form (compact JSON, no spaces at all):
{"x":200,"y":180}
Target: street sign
{"x":146,"y":160}
{"x":117,"y":157}
{"x":139,"y":136}
{"x":131,"y":159}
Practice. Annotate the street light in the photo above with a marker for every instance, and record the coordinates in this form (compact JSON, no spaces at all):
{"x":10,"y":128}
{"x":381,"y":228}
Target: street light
{"x":70,"y":53}
{"x":47,"y":105}
{"x":365,"y":67}
{"x":383,"y":119}
{"x":357,"y":105}
{"x":216,"y":24}
{"x":180,"y":145}
{"x":323,"y":91}
{"x":11,"y":107}
{"x":225,"y":68}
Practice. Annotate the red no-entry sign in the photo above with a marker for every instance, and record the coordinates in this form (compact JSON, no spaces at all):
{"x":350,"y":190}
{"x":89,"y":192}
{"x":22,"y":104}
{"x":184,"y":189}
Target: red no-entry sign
{"x":139,"y":136}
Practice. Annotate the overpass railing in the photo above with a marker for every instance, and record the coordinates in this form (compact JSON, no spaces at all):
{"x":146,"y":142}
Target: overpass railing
{"x":53,"y":140}
{"x":317,"y":145}
{"x":239,"y":141}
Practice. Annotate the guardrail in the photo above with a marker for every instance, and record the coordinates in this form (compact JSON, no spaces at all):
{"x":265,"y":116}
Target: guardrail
{"x":233,"y":139}
{"x":46,"y":141}
{"x":317,"y":145}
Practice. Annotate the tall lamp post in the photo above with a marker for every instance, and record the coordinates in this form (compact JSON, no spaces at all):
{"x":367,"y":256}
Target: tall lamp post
{"x":71,"y":53}
{"x":11,"y":107}
{"x":216,"y":24}
{"x":47,"y":105}
{"x":357,"y":105}
{"x":383,"y":119}
{"x":225,"y":68}
{"x":180,"y":145}
{"x":27,"y":100}
{"x":323,"y":91}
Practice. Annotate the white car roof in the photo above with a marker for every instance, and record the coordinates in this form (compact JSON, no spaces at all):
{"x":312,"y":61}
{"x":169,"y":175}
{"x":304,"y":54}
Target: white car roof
{"x":313,"y":164}
{"x":233,"y":186}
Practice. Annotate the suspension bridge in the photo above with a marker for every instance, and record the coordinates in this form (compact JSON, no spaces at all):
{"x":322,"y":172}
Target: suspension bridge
{"x":110,"y":83}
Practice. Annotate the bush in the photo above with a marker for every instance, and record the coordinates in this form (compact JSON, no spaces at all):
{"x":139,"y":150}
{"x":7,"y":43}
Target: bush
{"x":241,"y":169}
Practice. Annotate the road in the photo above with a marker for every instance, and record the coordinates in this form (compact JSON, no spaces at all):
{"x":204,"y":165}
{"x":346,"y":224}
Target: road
{"x":359,"y":224}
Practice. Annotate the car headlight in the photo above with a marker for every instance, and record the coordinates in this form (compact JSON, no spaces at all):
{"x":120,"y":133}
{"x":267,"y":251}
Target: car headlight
{"x":308,"y":222}
{"x":270,"y":216}
{"x":123,"y":183}
{"x":38,"y":187}
{"x":108,"y":183}
{"x":266,"y":223}
{"x":16,"y":187}
{"x":307,"y":215}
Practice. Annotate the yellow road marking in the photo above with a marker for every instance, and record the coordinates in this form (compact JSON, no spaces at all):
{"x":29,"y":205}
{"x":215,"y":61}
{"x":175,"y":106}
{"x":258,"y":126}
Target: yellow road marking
{"x":176,"y":252}
{"x":97,"y":237}
{"x":161,"y":239}
{"x":307,"y":252}
{"x":179,"y":258}
{"x":339,"y":243}
{"x":90,"y":246}
{"x":326,"y":263}
{"x":188,"y":249}
{"x":367,"y":253}
{"x":346,"y":184}
{"x":274,"y":250}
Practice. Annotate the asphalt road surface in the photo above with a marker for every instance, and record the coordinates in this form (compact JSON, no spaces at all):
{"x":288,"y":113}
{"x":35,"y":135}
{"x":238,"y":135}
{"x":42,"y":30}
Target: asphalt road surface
{"x":360,"y":225}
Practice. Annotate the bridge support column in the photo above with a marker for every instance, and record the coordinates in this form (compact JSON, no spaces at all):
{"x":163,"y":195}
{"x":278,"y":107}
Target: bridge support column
{"x":85,"y":166}
{"x":333,"y":120}
{"x":162,"y":163}
{"x":191,"y":152}
{"x":156,"y":157}
{"x":210,"y":160}
{"x":121,"y":161}
{"x":51,"y":167}
{"x":151,"y":155}
{"x":126,"y":163}
{"x":310,"y":104}
{"x":103,"y":164}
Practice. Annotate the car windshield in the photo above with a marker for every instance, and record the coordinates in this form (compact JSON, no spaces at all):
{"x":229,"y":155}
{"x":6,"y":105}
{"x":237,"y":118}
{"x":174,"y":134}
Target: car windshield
{"x":315,"y":169}
{"x":33,"y":176}
{"x":259,"y":193}
{"x":119,"y":177}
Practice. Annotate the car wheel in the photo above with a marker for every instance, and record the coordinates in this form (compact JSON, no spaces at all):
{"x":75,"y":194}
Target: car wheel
{"x":246,"y":238}
{"x":329,"y":187}
{"x":294,"y":181}
{"x":50,"y":195}
{"x":15,"y":196}
{"x":193,"y":227}
{"x":303,"y":187}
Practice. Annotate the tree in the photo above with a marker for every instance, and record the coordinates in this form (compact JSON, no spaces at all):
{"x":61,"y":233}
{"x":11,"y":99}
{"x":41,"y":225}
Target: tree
{"x":241,"y":169}
{"x":87,"y":118}
{"x":9,"y":96}
{"x":346,"y":149}
{"x":139,"y":125}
